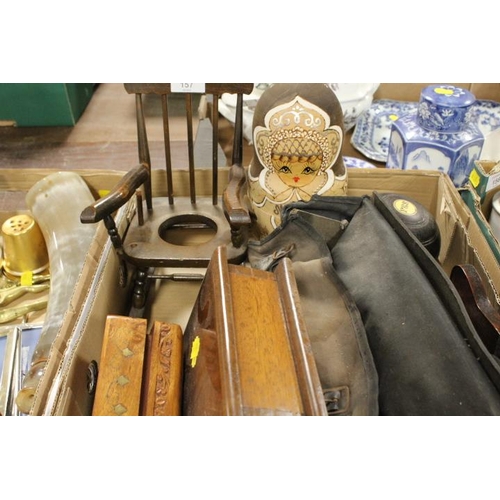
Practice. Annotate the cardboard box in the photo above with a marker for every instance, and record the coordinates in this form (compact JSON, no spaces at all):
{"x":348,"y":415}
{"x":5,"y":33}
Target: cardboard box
{"x":473,"y":202}
{"x":484,"y":183}
{"x":43,"y":104}
{"x":14,"y":184}
{"x":63,"y":388}
{"x":485,"y":179}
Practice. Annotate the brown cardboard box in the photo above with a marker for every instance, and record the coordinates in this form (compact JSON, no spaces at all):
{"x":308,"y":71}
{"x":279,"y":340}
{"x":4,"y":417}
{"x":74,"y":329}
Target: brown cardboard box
{"x":484,"y":183}
{"x":63,"y":389}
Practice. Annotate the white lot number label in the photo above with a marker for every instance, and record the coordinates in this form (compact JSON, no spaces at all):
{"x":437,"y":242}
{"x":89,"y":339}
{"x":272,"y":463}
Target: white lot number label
{"x":188,"y":87}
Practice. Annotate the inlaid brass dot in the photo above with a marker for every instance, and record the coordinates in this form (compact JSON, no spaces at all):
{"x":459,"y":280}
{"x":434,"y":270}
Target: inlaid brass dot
{"x":127,"y":352}
{"x":122,"y":380}
{"x":120,"y":409}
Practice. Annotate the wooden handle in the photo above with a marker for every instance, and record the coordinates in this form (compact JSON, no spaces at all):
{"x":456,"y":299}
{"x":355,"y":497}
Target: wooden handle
{"x":121,"y":193}
{"x":236,"y":213}
{"x":300,"y":343}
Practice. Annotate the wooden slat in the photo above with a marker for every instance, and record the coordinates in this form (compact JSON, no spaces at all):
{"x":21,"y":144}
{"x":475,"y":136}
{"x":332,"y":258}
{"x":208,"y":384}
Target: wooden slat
{"x":305,"y":364}
{"x":215,"y":149}
{"x":237,"y":156}
{"x":118,"y":388}
{"x":168,"y":155}
{"x":189,"y":112}
{"x":144,"y":156}
{"x":225,"y":326}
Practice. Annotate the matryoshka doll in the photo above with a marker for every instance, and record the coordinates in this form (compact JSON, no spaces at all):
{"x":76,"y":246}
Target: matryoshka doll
{"x":297,"y":136}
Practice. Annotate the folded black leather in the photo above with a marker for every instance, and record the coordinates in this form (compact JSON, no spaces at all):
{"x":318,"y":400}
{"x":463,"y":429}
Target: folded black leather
{"x":445,"y":288}
{"x":424,"y":362}
{"x":338,"y":338}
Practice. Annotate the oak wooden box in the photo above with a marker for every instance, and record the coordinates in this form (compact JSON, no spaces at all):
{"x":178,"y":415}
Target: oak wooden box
{"x":246,"y":348}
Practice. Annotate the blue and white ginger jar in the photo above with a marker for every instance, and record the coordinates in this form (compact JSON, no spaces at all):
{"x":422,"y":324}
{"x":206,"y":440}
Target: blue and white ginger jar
{"x":441,"y":136}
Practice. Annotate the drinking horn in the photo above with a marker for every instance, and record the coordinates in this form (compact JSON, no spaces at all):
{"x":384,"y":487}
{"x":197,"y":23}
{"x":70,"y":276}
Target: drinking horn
{"x":56,"y":202}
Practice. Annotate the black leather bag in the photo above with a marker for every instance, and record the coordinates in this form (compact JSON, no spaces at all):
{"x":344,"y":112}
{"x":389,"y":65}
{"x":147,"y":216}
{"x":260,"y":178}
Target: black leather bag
{"x":429,"y":358}
{"x":338,"y":338}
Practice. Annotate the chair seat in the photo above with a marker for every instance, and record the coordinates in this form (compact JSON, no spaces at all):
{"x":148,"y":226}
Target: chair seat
{"x":154,"y":243}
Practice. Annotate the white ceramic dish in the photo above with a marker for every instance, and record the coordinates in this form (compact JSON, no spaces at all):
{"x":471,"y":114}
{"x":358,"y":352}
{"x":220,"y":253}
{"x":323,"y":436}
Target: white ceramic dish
{"x":351,"y":162}
{"x":487,"y":115}
{"x":373,"y":128}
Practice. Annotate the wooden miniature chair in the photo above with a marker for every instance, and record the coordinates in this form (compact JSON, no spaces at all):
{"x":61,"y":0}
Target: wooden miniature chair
{"x":147,"y":243}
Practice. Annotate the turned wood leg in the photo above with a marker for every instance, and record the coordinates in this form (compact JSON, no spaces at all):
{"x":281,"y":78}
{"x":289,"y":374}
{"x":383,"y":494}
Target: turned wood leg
{"x":139,"y":294}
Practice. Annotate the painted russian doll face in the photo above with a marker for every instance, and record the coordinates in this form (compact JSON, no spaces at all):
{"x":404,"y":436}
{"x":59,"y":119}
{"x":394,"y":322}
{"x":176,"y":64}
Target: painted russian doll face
{"x":297,"y":138}
{"x":298,"y":145}
{"x":296,"y":171}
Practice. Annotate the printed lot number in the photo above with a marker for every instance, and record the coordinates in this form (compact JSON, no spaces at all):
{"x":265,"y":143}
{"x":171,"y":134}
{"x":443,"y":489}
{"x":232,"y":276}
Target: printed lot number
{"x":188,"y":87}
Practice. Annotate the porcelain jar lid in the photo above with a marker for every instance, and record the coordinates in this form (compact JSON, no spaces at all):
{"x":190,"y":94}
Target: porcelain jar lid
{"x":445,"y":108}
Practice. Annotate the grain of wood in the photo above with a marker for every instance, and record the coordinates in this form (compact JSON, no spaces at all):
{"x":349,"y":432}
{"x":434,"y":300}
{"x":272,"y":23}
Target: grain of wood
{"x":120,"y":369}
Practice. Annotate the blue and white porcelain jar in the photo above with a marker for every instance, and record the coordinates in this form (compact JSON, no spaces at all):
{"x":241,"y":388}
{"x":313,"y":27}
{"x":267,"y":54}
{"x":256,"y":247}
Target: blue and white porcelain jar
{"x":440,"y":136}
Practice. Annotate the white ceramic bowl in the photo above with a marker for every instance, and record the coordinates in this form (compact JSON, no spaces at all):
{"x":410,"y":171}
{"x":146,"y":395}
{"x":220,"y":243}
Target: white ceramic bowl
{"x":354,"y":99}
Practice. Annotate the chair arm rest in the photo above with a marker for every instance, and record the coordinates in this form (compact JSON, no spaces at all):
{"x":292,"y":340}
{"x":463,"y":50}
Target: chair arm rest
{"x":120,"y":194}
{"x":237,"y":214}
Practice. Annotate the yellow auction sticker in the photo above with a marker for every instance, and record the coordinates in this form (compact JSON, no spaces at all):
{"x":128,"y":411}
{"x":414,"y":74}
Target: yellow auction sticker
{"x":195,"y":350}
{"x":440,"y":90}
{"x":474,"y":178}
